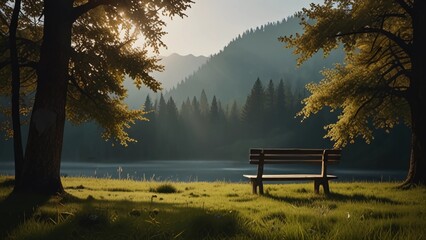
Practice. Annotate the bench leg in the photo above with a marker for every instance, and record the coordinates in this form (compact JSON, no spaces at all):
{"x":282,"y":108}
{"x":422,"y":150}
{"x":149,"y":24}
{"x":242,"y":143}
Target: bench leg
{"x":254,"y":186}
{"x":324,"y":184}
{"x":316,"y":186}
{"x":326,"y":187}
{"x":260,"y":188}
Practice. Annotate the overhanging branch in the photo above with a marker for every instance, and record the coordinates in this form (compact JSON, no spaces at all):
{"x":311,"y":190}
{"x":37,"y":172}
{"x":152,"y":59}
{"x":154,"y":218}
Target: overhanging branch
{"x":405,"y":6}
{"x":91,"y":4}
{"x":394,"y":38}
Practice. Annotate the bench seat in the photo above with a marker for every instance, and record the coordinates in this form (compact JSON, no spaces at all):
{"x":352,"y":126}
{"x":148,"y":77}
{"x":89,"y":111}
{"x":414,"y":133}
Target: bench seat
{"x":290,"y":177}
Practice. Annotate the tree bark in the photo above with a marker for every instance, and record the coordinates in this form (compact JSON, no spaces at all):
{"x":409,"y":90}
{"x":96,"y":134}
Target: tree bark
{"x":16,"y":85}
{"x":41,"y":171}
{"x":417,"y":99}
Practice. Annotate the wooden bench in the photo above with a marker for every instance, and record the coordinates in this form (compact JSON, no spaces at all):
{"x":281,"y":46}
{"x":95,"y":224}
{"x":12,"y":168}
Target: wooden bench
{"x":323,"y":157}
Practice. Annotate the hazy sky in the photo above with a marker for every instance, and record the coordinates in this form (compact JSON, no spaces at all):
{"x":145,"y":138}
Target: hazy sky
{"x":212,"y":24}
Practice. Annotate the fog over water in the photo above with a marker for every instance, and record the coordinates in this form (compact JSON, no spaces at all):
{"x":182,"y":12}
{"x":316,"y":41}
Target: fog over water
{"x":203,"y":170}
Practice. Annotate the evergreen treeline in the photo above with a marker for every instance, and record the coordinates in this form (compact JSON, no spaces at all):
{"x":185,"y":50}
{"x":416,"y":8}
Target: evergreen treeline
{"x":206,"y":128}
{"x":202,"y":127}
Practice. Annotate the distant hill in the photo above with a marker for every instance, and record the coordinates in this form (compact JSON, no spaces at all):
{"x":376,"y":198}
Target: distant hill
{"x":231,"y":73}
{"x":176,"y":68}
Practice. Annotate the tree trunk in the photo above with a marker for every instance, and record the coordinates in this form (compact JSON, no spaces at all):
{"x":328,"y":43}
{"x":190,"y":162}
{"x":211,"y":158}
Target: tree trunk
{"x":417,"y":99}
{"x":16,"y":85}
{"x":41,"y":171}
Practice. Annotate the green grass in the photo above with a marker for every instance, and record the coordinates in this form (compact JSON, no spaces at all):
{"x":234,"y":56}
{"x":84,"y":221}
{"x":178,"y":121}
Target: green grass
{"x":121,"y":209}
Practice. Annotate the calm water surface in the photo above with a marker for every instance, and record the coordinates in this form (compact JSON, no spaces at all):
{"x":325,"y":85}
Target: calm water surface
{"x":202,"y":170}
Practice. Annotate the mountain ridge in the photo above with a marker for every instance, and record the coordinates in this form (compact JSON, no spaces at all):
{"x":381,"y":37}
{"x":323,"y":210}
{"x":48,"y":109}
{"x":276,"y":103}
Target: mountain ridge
{"x":256,"y":53}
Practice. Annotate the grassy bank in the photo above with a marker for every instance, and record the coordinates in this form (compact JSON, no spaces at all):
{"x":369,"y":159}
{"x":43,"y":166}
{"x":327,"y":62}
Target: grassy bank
{"x":121,"y":209}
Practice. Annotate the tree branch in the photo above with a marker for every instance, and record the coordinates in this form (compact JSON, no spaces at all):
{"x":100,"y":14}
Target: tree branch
{"x":365,"y":103}
{"x":85,"y":93}
{"x":91,"y":4}
{"x":405,"y":6}
{"x":81,"y":90}
{"x":394,"y":38}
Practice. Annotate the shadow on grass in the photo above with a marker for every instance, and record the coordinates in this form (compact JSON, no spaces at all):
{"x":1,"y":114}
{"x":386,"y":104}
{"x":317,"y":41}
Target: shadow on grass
{"x":338,"y":197}
{"x":8,"y":183}
{"x":92,"y":218}
{"x":17,"y":208}
{"x":123,"y":219}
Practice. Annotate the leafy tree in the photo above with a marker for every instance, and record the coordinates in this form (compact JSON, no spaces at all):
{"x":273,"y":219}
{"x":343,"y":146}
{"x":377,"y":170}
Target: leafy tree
{"x":84,"y":49}
{"x":382,"y":82}
{"x":17,"y":56}
{"x":16,"y":85}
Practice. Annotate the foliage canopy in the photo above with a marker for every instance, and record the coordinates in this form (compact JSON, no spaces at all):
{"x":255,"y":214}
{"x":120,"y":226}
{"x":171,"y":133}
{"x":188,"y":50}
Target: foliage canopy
{"x":371,"y":87}
{"x":103,"y":53}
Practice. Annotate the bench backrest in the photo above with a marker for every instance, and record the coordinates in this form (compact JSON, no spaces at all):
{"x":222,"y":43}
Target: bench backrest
{"x":261,"y":156}
{"x":297,"y":156}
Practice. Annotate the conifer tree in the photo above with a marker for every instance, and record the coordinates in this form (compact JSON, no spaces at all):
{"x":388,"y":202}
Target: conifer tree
{"x":254,"y":109}
{"x":162,"y":110}
{"x":214,"y":111}
{"x":186,"y":110}
{"x":204,"y":104}
{"x":270,"y":98}
{"x":195,"y":107}
{"x":172,"y":112}
{"x":234,"y":115}
{"x":280,"y":104}
{"x":148,"y":106}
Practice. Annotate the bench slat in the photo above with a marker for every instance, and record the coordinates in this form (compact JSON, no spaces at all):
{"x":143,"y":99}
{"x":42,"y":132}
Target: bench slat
{"x":293,"y":151}
{"x":290,"y":177}
{"x":331,"y":162}
{"x":295,"y":157}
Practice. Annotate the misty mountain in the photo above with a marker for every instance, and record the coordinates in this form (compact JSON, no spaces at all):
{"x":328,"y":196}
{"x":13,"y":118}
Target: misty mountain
{"x":176,"y":68}
{"x":256,"y":53}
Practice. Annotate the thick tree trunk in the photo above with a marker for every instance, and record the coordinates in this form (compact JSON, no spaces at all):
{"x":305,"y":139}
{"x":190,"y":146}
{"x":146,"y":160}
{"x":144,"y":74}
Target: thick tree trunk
{"x":16,"y":85}
{"x":41,"y":171}
{"x":417,"y":98}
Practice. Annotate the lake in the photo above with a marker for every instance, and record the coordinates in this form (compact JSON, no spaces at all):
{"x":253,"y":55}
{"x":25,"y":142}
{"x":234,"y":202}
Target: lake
{"x":202,"y":170}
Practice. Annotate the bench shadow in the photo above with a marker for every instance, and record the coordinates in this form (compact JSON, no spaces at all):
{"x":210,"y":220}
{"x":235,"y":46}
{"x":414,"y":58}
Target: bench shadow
{"x":338,"y":197}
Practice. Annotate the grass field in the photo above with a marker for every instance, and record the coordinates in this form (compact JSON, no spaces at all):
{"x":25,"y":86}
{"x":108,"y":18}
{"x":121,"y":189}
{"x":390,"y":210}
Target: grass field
{"x":121,"y":209}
